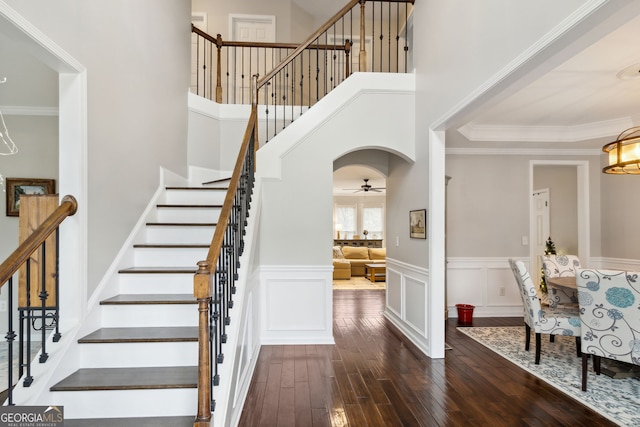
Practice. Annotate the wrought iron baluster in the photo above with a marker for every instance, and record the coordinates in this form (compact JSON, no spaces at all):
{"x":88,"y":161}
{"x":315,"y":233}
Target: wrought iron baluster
{"x":43,"y":300}
{"x":10,"y":337}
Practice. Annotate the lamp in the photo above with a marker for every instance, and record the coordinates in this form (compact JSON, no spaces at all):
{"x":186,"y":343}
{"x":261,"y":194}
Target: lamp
{"x":624,"y":153}
{"x":338,"y":229}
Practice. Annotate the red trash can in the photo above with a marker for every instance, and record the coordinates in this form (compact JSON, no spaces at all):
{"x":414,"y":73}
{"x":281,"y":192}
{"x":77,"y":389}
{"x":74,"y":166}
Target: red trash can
{"x":465,"y":314}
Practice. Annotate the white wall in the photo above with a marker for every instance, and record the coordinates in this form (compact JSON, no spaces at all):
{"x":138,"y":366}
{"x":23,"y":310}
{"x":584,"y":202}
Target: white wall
{"x":137,"y":60}
{"x":368,"y":111}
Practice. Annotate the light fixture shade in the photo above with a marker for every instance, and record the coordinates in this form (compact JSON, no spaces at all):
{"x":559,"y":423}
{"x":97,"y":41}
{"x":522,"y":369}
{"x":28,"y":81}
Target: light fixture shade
{"x":624,"y":153}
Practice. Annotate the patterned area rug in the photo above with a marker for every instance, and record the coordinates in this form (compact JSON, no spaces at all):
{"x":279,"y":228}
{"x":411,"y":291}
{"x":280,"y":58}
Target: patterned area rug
{"x":616,"y":399}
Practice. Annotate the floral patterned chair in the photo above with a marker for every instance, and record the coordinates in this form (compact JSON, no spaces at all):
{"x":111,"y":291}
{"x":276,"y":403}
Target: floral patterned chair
{"x":558,"y":266}
{"x":552,"y":321}
{"x":609,"y":302}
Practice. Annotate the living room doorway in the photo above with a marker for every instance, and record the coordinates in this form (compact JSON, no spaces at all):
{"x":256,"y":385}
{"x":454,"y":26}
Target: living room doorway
{"x":359,"y":211}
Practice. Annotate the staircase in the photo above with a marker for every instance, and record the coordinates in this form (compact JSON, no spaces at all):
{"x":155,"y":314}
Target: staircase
{"x":142,"y":361}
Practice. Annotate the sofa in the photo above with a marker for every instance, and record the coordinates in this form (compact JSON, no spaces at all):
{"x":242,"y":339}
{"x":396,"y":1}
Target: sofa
{"x":349,"y":261}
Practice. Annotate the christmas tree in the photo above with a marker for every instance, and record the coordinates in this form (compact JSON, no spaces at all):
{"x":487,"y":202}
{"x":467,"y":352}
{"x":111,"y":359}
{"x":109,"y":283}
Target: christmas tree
{"x":550,"y":249}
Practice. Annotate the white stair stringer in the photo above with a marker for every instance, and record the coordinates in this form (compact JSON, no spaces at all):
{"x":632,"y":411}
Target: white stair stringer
{"x":67,"y":356}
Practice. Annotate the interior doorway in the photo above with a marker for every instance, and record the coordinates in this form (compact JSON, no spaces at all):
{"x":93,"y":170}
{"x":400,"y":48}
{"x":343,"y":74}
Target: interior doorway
{"x":569,"y":220}
{"x":359,"y":218}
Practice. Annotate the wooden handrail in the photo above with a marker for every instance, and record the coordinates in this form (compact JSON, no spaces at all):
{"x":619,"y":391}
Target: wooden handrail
{"x":203,"y":278}
{"x":314,"y":36}
{"x":225,"y":213}
{"x":10,"y":266}
{"x":306,"y":43}
{"x":218,"y":41}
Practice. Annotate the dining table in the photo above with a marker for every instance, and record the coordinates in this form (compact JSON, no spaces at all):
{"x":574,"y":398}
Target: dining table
{"x":563,"y":281}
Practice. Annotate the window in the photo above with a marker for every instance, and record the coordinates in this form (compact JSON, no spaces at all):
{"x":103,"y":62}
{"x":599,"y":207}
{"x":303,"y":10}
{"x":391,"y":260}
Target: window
{"x":353,"y":219}
{"x":346,"y":218}
{"x":373,"y":221}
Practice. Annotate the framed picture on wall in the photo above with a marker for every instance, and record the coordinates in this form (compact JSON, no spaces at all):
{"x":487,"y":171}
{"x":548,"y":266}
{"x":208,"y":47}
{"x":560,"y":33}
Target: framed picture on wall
{"x":15,"y":187}
{"x":418,"y":224}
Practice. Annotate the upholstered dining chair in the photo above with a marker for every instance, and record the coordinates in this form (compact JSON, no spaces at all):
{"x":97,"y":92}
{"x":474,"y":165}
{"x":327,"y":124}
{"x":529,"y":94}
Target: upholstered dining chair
{"x":609,"y":301}
{"x":552,"y":321}
{"x":559,"y":266}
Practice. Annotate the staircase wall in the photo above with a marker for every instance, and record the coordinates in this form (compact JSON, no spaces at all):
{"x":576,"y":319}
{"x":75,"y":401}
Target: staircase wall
{"x":366,"y":112}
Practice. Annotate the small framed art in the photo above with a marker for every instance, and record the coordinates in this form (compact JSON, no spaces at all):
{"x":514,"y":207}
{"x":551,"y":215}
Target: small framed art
{"x":15,"y":187}
{"x":418,"y":224}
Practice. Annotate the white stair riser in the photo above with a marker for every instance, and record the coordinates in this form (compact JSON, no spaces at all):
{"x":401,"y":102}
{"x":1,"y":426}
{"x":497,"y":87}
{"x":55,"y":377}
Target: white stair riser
{"x":120,"y":355}
{"x":156,"y":283}
{"x":209,"y":197}
{"x":179,"y":234}
{"x":121,"y":316}
{"x":126,"y":403}
{"x":170,"y":214}
{"x":174,"y":257}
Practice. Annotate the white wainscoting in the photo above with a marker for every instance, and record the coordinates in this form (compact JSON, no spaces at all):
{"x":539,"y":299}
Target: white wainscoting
{"x":297,"y":305}
{"x":407,"y":301}
{"x":489,"y":285}
{"x":613,"y":264}
{"x":486,"y":283}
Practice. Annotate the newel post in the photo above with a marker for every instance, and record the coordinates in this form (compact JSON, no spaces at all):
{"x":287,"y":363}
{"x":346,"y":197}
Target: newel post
{"x":219,"y":71}
{"x":202,"y":293}
{"x":363,"y":52}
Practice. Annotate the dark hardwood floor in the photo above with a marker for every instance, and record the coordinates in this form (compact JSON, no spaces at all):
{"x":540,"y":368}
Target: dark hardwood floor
{"x":370,"y":377}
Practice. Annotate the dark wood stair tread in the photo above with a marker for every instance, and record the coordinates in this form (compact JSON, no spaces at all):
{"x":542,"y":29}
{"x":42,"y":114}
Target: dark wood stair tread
{"x":137,"y":378}
{"x":182,"y":224}
{"x":141,"y":335}
{"x":186,"y":421}
{"x":188,"y":206}
{"x":159,"y":270}
{"x":215,"y":181}
{"x":171,"y":245}
{"x":197,"y":188}
{"x":150,"y":299}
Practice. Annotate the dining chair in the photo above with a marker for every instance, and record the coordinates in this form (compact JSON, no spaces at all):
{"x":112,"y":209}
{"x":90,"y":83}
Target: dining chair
{"x":558,"y":266}
{"x":551,"y":321}
{"x":610,"y":321}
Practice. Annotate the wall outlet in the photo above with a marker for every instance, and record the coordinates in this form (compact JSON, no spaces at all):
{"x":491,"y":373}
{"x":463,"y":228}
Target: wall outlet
{"x":525,"y":240}
{"x":3,"y":306}
{"x":397,"y":240}
{"x":502,"y":291}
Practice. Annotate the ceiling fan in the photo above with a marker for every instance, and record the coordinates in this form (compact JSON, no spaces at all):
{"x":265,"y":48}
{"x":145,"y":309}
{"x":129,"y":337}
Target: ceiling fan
{"x":366,"y":187}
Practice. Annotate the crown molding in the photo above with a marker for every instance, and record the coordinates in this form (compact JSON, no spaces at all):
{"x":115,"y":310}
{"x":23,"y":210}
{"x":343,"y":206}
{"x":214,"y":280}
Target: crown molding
{"x":496,"y":133}
{"x":13,"y":110}
{"x":522,"y":152}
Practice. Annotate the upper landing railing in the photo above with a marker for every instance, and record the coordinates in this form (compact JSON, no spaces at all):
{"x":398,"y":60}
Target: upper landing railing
{"x":365,"y":36}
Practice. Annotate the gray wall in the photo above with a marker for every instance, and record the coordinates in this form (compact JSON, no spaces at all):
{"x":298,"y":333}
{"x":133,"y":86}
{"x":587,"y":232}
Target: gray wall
{"x":620,"y":207}
{"x":137,"y":60}
{"x":488,"y":205}
{"x":451,"y":62}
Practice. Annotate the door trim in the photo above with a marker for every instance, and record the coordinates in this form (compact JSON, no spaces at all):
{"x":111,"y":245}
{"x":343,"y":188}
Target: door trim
{"x":584,"y":220}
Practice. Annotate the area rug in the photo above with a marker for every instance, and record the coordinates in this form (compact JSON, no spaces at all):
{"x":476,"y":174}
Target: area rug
{"x":615,"y":399}
{"x":357,"y":283}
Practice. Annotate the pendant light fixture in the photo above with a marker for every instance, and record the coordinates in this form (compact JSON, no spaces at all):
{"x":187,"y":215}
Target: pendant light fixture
{"x":624,"y":153}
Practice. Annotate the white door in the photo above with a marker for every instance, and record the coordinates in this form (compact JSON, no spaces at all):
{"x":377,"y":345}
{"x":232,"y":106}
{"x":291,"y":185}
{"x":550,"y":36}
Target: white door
{"x":542,"y":229}
{"x":245,"y":62}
